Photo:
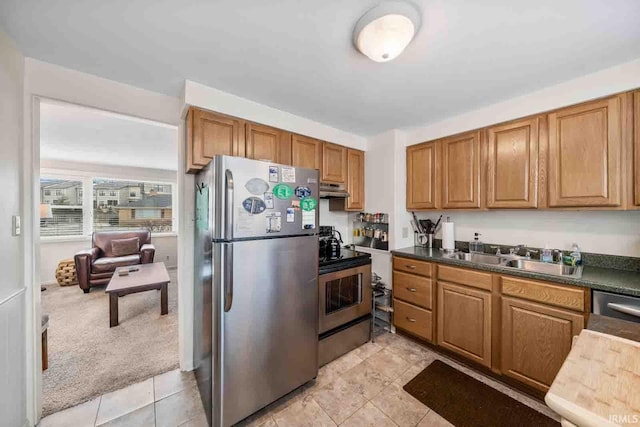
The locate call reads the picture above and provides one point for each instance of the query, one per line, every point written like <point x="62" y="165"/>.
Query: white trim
<point x="13" y="295"/>
<point x="47" y="81"/>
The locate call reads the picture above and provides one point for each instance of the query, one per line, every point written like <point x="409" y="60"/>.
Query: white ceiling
<point x="74" y="133"/>
<point x="297" y="56"/>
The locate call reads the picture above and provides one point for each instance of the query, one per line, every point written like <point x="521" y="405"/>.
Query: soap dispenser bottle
<point x="547" y="254"/>
<point x="476" y="245"/>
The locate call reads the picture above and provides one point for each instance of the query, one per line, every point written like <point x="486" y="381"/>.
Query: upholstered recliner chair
<point x="112" y="249"/>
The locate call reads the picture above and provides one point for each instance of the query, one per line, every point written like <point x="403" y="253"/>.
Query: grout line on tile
<point x="95" y="420"/>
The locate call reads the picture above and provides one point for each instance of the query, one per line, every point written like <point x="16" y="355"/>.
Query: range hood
<point x="333" y="191"/>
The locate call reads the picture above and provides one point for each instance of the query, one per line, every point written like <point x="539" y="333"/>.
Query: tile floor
<point x="362" y="388"/>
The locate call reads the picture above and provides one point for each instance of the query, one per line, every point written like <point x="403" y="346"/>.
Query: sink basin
<point x="543" y="267"/>
<point x="476" y="257"/>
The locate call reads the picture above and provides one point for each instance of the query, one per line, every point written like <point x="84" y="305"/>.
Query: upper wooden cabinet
<point x="334" y="163"/>
<point x="536" y="340"/>
<point x="464" y="321"/>
<point x="267" y="143"/>
<point x="212" y="134"/>
<point x="306" y="152"/>
<point x="636" y="148"/>
<point x="461" y="171"/>
<point x="355" y="180"/>
<point x="512" y="164"/>
<point x="423" y="176"/>
<point x="585" y="148"/>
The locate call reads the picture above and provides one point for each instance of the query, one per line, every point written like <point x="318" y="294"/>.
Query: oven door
<point x="344" y="296"/>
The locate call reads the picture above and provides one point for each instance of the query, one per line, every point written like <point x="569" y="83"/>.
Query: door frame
<point x="31" y="251"/>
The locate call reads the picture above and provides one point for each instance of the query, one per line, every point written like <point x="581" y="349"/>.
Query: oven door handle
<point x="625" y="308"/>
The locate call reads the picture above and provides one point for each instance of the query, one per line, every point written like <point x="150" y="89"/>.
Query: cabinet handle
<point x="411" y="319"/>
<point x="411" y="289"/>
<point x="412" y="267"/>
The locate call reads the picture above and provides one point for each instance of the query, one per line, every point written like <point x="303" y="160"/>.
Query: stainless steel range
<point x="344" y="287"/>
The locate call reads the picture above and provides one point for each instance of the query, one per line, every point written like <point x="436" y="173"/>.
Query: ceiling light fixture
<point x="385" y="31"/>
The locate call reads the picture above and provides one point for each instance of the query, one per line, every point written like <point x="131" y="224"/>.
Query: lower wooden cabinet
<point x="464" y="321"/>
<point x="536" y="339"/>
<point x="412" y="319"/>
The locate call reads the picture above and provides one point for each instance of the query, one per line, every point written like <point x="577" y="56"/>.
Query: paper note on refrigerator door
<point x="309" y="219"/>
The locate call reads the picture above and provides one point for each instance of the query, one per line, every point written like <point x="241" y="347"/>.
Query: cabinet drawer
<point x="413" y="319"/>
<point x="412" y="266"/>
<point x="413" y="289"/>
<point x="477" y="279"/>
<point x="548" y="293"/>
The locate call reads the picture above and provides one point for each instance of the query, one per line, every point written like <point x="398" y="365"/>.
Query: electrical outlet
<point x="16" y="228"/>
<point x="405" y="232"/>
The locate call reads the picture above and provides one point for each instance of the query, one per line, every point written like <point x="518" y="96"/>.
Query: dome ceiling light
<point x="385" y="31"/>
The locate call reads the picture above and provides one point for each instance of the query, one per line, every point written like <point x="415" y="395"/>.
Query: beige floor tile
<point x="265" y="414"/>
<point x="385" y="339"/>
<point x="178" y="408"/>
<point x="172" y="382"/>
<point x="400" y="406"/>
<point x="340" y="399"/>
<point x="411" y="373"/>
<point x="367" y="379"/>
<point x="367" y="350"/>
<point x="125" y="400"/>
<point x="143" y="417"/>
<point x="80" y="416"/>
<point x="434" y="420"/>
<point x="388" y="364"/>
<point x="368" y="416"/>
<point x="303" y="413"/>
<point x="198" y="421"/>
<point x="410" y="351"/>
<point x="333" y="370"/>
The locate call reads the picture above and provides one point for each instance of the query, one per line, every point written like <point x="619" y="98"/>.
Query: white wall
<point x="209" y="98"/>
<point x="43" y="80"/>
<point x="13" y="372"/>
<point x="340" y="220"/>
<point x="609" y="232"/>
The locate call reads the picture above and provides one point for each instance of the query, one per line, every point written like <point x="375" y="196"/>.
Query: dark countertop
<point x="600" y="278"/>
<point x="612" y="326"/>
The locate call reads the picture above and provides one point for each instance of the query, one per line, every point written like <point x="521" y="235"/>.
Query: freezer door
<point x="269" y="322"/>
<point x="261" y="199"/>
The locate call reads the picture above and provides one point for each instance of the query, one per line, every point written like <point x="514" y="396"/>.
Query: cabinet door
<point x="464" y="321"/>
<point x="585" y="146"/>
<point x="267" y="143"/>
<point x="214" y="134"/>
<point x="423" y="176"/>
<point x="461" y="171"/>
<point x="355" y="180"/>
<point x="512" y="164"/>
<point x="535" y="340"/>
<point x="306" y="152"/>
<point x="636" y="148"/>
<point x="334" y="163"/>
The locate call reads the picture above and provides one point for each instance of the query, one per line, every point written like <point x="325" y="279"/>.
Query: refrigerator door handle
<point x="228" y="276"/>
<point x="228" y="217"/>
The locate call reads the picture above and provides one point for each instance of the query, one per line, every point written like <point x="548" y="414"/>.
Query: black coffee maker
<point x="329" y="243"/>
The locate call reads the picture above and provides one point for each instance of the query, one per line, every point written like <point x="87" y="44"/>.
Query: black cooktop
<point x="347" y="259"/>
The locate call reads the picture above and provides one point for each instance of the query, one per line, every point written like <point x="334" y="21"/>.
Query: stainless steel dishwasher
<point x="623" y="307"/>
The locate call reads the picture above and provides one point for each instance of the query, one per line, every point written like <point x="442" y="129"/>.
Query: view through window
<point x="122" y="205"/>
<point x="115" y="205"/>
<point x="61" y="212"/>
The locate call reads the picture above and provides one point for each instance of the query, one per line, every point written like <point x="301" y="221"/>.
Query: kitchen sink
<point x="543" y="267"/>
<point x="476" y="257"/>
<point x="520" y="263"/>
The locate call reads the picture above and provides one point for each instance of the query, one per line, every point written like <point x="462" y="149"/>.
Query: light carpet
<point x="87" y="358"/>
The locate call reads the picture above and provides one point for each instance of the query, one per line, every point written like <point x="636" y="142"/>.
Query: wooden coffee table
<point x="148" y="277"/>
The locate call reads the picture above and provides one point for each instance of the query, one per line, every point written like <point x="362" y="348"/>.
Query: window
<point x="66" y="217"/>
<point x="145" y="207"/>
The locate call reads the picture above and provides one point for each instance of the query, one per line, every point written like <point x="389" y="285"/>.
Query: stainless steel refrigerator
<point x="256" y="284"/>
